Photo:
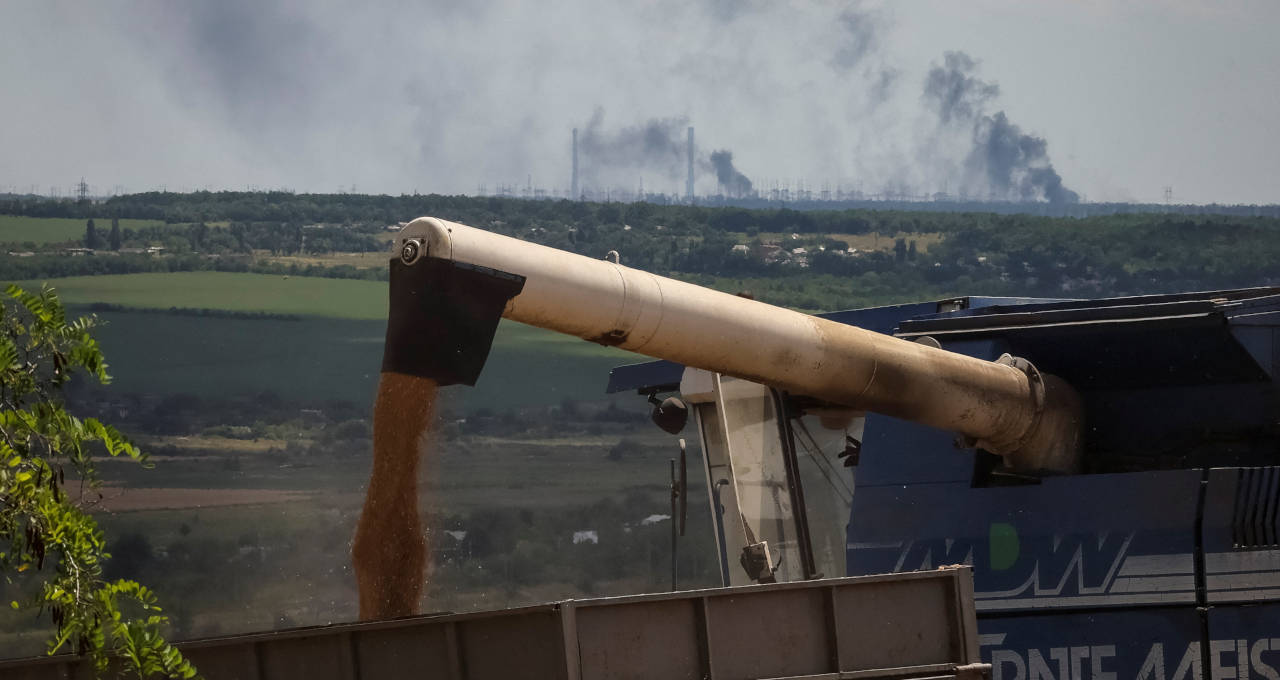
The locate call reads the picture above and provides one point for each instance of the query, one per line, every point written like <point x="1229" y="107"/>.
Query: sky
<point x="1057" y="100"/>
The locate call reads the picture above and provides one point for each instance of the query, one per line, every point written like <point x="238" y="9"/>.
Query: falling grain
<point x="389" y="551"/>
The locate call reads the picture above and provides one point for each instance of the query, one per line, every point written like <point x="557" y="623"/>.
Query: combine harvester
<point x="1108" y="471"/>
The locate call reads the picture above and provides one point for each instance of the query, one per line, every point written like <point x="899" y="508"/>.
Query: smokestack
<point x="573" y="186"/>
<point x="688" y="185"/>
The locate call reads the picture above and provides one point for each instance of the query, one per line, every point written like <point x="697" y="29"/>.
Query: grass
<point x="317" y="359"/>
<point x="333" y="352"/>
<point x="331" y="299"/>
<point x="305" y="296"/>
<point x="16" y="229"/>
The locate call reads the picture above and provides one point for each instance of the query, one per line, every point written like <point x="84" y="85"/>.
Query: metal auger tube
<point x="1006" y="407"/>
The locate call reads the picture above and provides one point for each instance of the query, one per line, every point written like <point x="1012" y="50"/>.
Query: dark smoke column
<point x="734" y="183"/>
<point x="1004" y="161"/>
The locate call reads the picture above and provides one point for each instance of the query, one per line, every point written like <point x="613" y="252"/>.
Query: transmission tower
<point x="82" y="190"/>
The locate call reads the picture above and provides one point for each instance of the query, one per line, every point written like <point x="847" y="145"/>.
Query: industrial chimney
<point x="573" y="185"/>
<point x="688" y="185"/>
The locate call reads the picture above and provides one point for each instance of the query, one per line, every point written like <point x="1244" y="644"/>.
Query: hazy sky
<point x="1117" y="98"/>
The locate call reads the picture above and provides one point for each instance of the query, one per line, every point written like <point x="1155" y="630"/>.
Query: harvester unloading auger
<point x="450" y="285"/>
<point x="451" y="282"/>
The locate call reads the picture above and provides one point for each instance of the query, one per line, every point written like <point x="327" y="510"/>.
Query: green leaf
<point x="39" y="526"/>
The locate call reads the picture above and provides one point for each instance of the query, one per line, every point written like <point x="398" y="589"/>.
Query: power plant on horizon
<point x="738" y="189"/>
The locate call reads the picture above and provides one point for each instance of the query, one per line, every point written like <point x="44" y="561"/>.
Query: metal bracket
<point x="1037" y="392"/>
<point x="758" y="562"/>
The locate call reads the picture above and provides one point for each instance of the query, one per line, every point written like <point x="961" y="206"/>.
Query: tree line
<point x="979" y="253"/>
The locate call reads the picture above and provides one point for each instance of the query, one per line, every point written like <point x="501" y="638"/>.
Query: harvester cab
<point x="1109" y="468"/>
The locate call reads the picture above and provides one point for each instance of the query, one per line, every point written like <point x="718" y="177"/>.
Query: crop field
<point x="332" y="352"/>
<point x="317" y="359"/>
<point x="304" y="296"/>
<point x="14" y="229"/>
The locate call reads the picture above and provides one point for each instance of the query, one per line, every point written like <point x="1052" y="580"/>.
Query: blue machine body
<point x="1161" y="561"/>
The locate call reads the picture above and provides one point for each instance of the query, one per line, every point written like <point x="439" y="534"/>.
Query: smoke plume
<point x="955" y="92"/>
<point x="735" y="183"/>
<point x="656" y="146"/>
<point x="439" y="96"/>
<point x="1003" y="162"/>
<point x="863" y="30"/>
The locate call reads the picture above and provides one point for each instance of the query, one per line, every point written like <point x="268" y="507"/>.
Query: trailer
<point x="903" y="627"/>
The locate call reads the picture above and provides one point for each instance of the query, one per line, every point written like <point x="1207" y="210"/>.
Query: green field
<point x="305" y="296"/>
<point x="333" y="352"/>
<point x="316" y="359"/>
<point x="15" y="229"/>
